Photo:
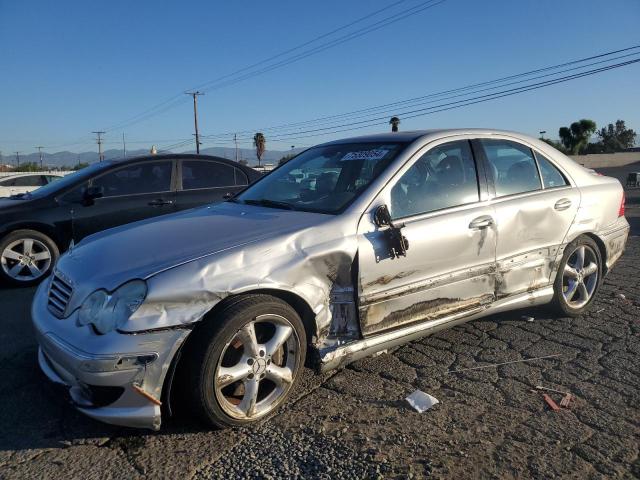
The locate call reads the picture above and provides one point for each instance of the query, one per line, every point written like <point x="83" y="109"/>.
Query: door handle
<point x="562" y="204"/>
<point x="160" y="202"/>
<point x="481" y="222"/>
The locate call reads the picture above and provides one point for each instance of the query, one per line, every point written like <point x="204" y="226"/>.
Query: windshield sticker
<point x="377" y="154"/>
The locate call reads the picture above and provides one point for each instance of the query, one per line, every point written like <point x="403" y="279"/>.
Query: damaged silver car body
<point x="420" y="231"/>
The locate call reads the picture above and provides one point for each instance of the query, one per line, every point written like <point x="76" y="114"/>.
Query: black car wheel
<point x="26" y="257"/>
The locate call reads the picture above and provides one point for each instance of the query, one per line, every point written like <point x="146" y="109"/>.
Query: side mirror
<point x="91" y="193"/>
<point x="398" y="243"/>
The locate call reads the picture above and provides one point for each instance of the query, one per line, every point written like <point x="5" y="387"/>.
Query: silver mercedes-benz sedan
<point x="351" y="247"/>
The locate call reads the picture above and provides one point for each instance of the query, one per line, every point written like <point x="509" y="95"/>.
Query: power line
<point x="451" y="105"/>
<point x="471" y="89"/>
<point x="213" y="84"/>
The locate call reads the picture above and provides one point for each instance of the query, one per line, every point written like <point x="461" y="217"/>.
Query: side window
<point x="443" y="177"/>
<point x="75" y="195"/>
<point x="6" y="183"/>
<point x="146" y="177"/>
<point x="512" y="166"/>
<point x="551" y="176"/>
<point x="204" y="174"/>
<point x="29" y="181"/>
<point x="241" y="177"/>
<point x="52" y="178"/>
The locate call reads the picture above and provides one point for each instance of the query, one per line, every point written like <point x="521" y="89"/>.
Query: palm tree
<point x="394" y="122"/>
<point x="260" y="143"/>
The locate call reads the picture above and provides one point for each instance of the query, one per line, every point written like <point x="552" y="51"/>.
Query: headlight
<point x="107" y="311"/>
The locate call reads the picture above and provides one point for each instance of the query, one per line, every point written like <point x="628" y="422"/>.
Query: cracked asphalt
<point x="354" y="423"/>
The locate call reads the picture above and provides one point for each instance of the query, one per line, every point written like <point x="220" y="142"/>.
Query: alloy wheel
<point x="580" y="277"/>
<point x="25" y="259"/>
<point x="256" y="368"/>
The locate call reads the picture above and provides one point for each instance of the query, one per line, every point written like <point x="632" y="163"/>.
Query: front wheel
<point x="579" y="277"/>
<point x="243" y="363"/>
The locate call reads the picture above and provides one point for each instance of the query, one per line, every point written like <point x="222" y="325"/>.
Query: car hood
<point x="142" y="249"/>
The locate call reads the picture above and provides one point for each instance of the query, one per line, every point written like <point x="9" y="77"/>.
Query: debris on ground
<point x="565" y="402"/>
<point x="421" y="401"/>
<point x="526" y="318"/>
<point x="554" y="406"/>
<point x="540" y="387"/>
<point x="494" y="365"/>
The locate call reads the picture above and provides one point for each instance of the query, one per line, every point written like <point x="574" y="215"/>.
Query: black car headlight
<point x="106" y="311"/>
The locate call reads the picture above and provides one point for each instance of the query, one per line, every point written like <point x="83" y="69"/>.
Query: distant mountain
<point x="66" y="158"/>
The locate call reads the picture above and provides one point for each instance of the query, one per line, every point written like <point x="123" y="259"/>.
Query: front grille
<point x="60" y="292"/>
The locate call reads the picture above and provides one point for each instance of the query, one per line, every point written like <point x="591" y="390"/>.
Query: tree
<point x="576" y="137"/>
<point x="555" y="144"/>
<point x="260" y="143"/>
<point x="394" y="122"/>
<point x="615" y="138"/>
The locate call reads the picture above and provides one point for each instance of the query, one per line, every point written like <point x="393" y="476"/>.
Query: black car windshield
<point x="324" y="179"/>
<point x="68" y="180"/>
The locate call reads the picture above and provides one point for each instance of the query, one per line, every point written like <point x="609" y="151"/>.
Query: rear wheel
<point x="579" y="277"/>
<point x="26" y="257"/>
<point x="243" y="363"/>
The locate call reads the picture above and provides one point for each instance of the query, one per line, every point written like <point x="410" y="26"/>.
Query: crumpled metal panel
<point x="312" y="263"/>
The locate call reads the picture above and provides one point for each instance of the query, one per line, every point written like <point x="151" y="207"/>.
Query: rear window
<point x="198" y="174"/>
<point x="551" y="176"/>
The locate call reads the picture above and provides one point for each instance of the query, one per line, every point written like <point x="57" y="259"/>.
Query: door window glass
<point x="551" y="176"/>
<point x="29" y="181"/>
<point x="147" y="177"/>
<point x="443" y="177"/>
<point x="512" y="167"/>
<point x="241" y="177"/>
<point x="202" y="174"/>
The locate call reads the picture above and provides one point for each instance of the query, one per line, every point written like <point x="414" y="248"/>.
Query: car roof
<point x="24" y="174"/>
<point x="171" y="156"/>
<point x="412" y="135"/>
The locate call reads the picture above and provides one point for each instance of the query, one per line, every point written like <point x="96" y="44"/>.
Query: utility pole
<point x="99" y="142"/>
<point x="124" y="146"/>
<point x="195" y="96"/>
<point x="235" y="140"/>
<point x="18" y="159"/>
<point x="40" y="152"/>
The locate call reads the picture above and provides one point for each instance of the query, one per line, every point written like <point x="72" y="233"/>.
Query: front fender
<point x="307" y="267"/>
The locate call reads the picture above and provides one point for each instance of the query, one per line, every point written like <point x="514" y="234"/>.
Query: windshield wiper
<point x="265" y="202"/>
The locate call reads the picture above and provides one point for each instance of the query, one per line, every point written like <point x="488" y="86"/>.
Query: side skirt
<point x="335" y="356"/>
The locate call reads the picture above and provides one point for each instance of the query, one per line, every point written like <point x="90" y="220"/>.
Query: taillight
<point x="621" y="211"/>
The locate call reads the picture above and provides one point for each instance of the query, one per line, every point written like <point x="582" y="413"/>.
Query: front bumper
<point x="116" y="378"/>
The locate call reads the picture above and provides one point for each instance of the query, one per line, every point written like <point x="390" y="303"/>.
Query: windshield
<point x="67" y="180"/>
<point x="324" y="179"/>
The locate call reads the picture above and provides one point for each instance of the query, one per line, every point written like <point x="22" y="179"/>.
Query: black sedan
<point x="35" y="227"/>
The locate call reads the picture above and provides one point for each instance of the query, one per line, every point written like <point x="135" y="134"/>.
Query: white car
<point x="24" y="183"/>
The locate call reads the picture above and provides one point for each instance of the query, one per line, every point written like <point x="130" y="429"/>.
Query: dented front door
<point x="449" y="227"/>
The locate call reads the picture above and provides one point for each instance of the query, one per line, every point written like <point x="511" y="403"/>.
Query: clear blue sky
<point x="71" y="67"/>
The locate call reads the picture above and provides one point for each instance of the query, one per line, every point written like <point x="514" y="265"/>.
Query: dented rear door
<point x="535" y="205"/>
<point x="440" y="200"/>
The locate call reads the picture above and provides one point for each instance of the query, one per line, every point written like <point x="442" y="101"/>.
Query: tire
<point x="26" y="257"/>
<point x="577" y="283"/>
<point x="232" y="381"/>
